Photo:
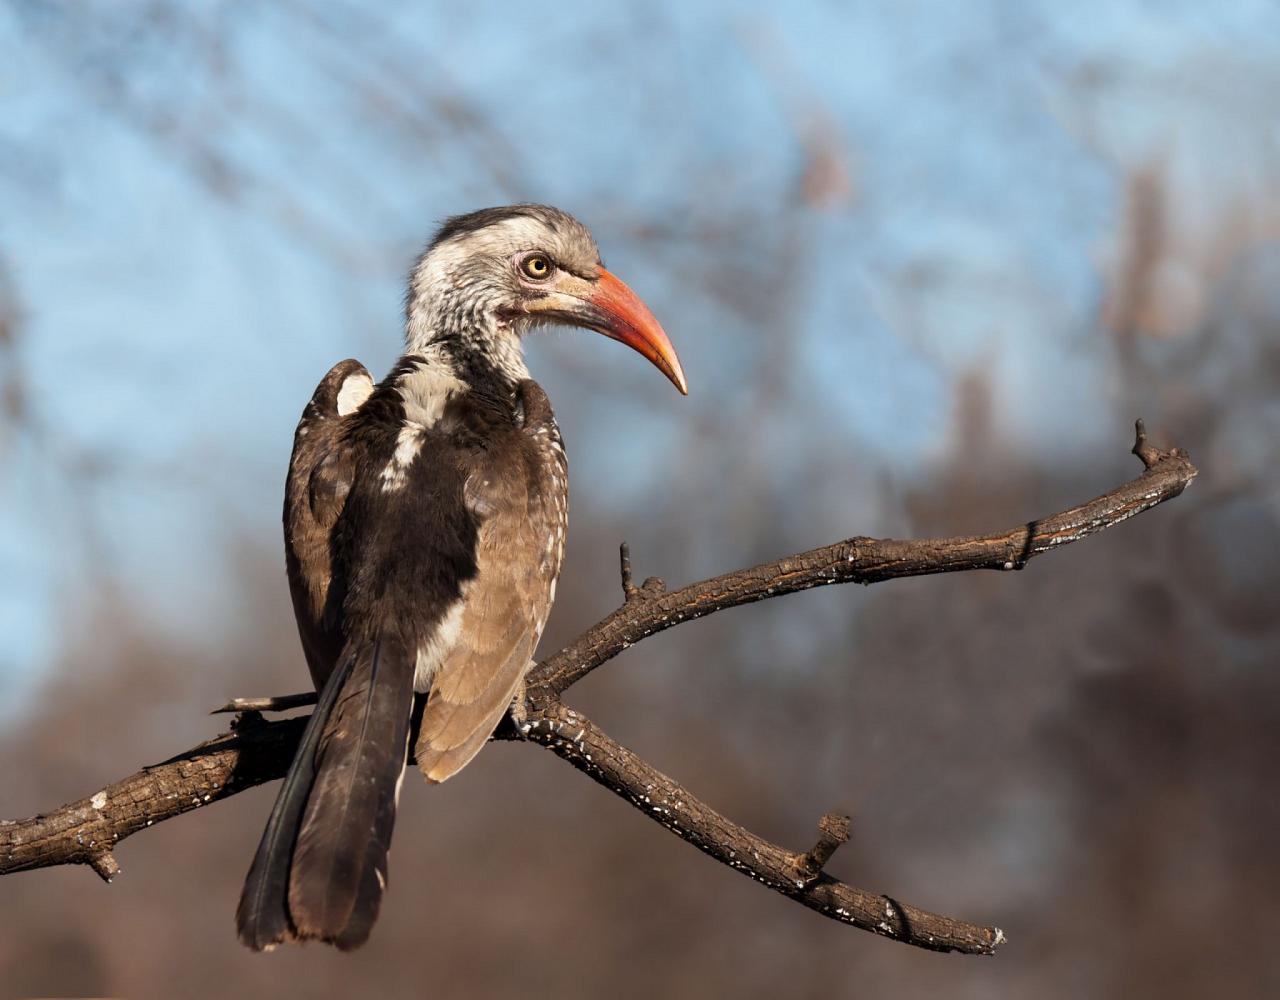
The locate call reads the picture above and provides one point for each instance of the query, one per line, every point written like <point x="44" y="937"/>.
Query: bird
<point x="424" y="522"/>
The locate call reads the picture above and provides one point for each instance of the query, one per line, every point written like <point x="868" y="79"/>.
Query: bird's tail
<point x="321" y="865"/>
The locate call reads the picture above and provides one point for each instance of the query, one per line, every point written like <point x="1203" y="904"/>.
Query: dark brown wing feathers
<point x="523" y="508"/>
<point x="320" y="473"/>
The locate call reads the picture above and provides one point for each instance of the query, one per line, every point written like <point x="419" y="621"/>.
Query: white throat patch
<point x="427" y="389"/>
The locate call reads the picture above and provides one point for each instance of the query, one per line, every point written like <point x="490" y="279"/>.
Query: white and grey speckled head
<point x="469" y="273"/>
<point x="490" y="276"/>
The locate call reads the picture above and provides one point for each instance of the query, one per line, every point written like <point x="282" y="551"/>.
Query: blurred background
<point x="924" y="264"/>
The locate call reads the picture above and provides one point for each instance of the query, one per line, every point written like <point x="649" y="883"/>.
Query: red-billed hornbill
<point x="424" y="525"/>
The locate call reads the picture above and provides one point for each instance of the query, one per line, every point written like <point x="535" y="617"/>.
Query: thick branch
<point x="85" y="832"/>
<point x="864" y="560"/>
<point x="574" y="738"/>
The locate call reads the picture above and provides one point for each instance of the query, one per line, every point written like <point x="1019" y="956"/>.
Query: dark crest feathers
<point x="462" y="225"/>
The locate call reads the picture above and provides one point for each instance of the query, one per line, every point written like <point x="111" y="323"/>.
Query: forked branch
<point x="256" y="751"/>
<point x="862" y="560"/>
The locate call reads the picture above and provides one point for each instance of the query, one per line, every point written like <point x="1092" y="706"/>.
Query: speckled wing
<point x="519" y="495"/>
<point x="320" y="472"/>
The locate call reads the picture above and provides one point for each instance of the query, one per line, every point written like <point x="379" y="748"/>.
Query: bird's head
<point x="489" y="277"/>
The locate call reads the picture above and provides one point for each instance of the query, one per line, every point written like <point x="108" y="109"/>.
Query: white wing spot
<point x="355" y="390"/>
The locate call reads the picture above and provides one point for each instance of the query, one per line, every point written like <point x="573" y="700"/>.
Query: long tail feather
<point x="339" y="866"/>
<point x="262" y="918"/>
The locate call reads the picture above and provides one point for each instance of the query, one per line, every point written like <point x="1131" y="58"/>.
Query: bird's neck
<point x="475" y="346"/>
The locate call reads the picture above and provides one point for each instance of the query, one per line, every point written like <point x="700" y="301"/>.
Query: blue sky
<point x="197" y="224"/>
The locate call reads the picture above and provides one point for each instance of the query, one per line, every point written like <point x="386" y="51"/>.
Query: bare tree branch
<point x="256" y="751"/>
<point x="863" y="560"/>
<point x="85" y="831"/>
<point x="577" y="740"/>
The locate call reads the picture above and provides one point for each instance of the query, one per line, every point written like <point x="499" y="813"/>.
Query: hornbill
<point x="424" y="524"/>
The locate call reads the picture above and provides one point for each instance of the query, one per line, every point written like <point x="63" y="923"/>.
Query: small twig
<point x="1148" y="453"/>
<point x="278" y="703"/>
<point x="629" y="589"/>
<point x="652" y="586"/>
<point x="105" y="865"/>
<point x="833" y="831"/>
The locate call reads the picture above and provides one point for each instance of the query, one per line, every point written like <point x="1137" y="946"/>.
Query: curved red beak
<point x="621" y="315"/>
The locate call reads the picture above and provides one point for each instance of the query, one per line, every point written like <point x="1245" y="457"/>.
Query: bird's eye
<point x="536" y="266"/>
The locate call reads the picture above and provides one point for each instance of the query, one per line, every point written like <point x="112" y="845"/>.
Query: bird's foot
<point x="518" y="712"/>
